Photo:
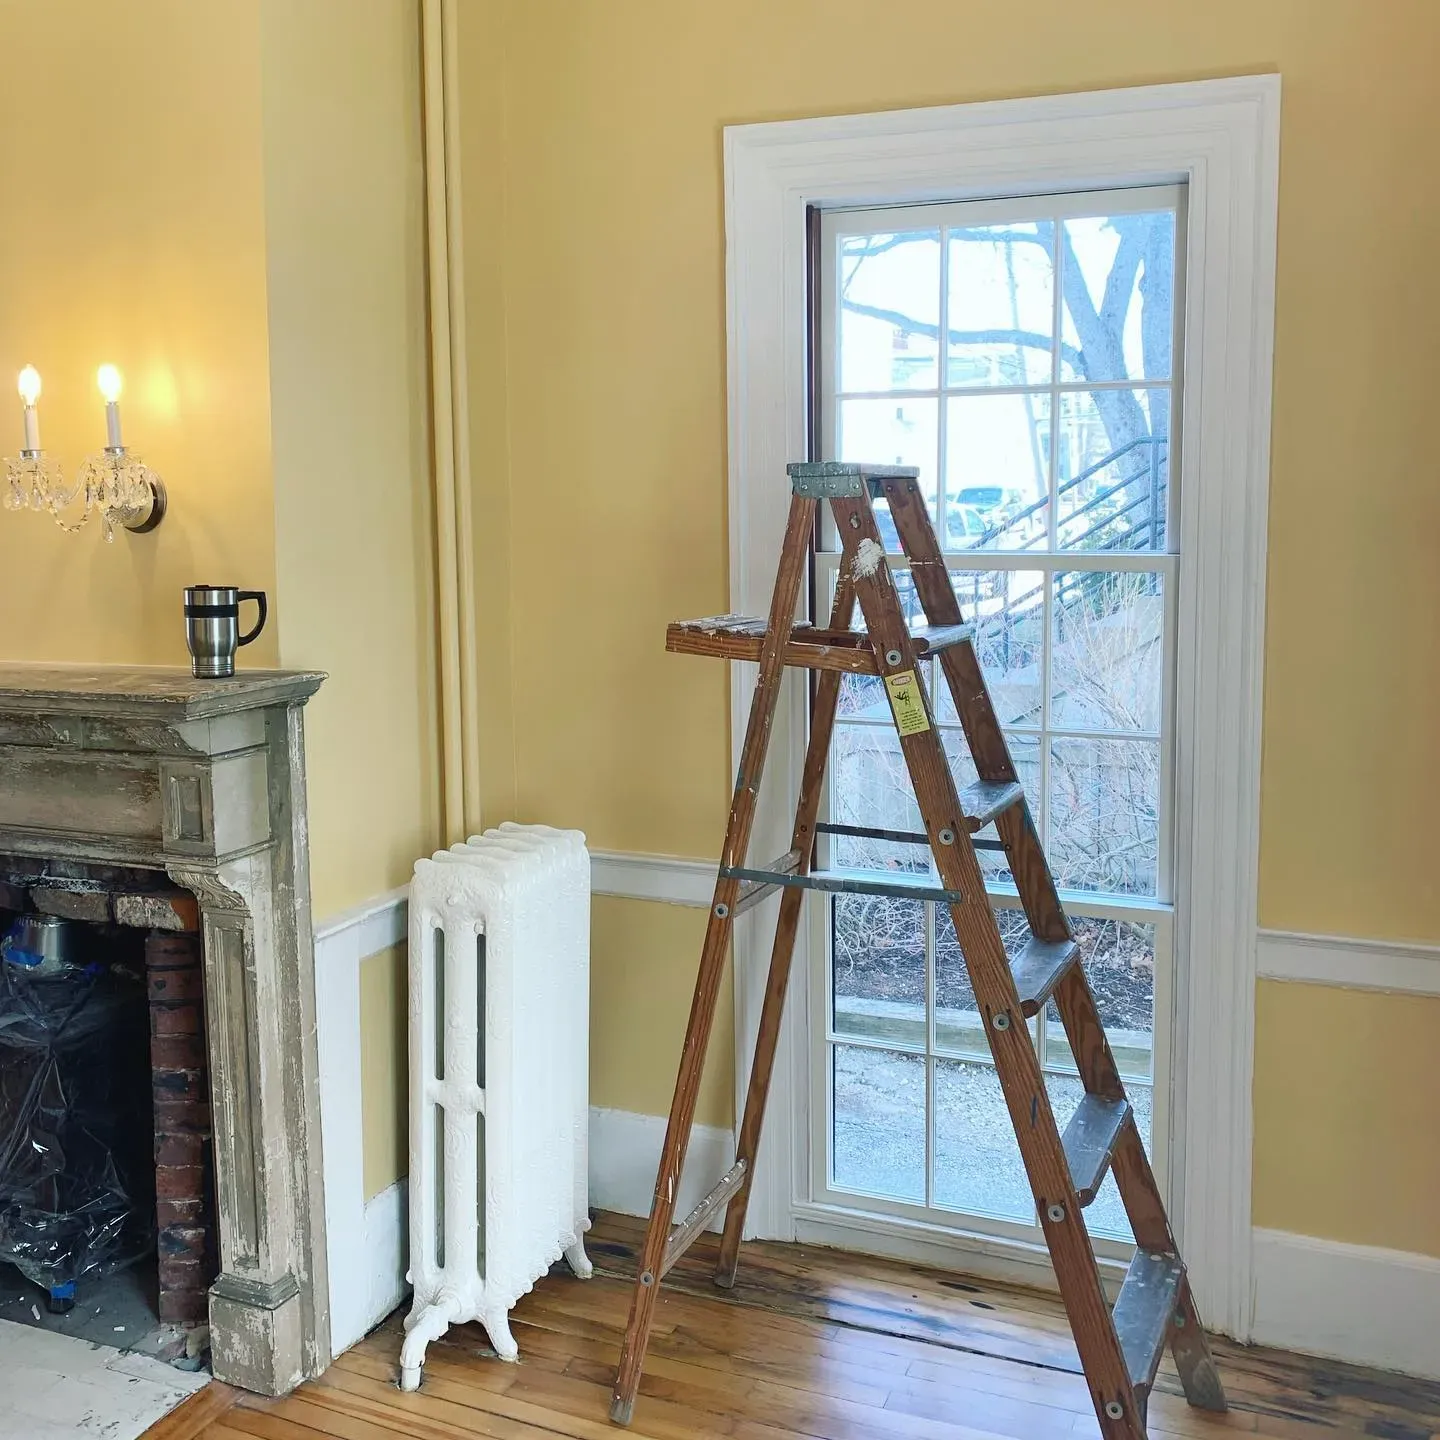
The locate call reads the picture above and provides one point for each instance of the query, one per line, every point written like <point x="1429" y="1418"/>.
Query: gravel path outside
<point x="879" y="1142"/>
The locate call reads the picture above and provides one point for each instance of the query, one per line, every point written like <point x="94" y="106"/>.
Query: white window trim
<point x="1221" y="138"/>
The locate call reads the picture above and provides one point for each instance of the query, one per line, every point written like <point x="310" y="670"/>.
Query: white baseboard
<point x="1347" y="1302"/>
<point x="625" y="1155"/>
<point x="342" y="942"/>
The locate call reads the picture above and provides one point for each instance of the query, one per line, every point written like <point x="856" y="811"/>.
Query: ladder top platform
<point x="739" y="637"/>
<point x="834" y="479"/>
<point x="816" y="469"/>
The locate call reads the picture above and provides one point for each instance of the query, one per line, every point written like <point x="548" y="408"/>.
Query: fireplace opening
<point x="107" y="1228"/>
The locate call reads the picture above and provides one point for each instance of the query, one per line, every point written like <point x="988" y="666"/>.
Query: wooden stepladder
<point x="1120" y="1349"/>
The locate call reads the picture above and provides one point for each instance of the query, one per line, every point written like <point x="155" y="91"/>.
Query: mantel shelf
<point x="146" y="692"/>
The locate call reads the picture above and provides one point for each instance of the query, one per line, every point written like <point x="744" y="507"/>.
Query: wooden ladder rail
<point x="794" y="557"/>
<point x="1124" y="1152"/>
<point x="1119" y="1350"/>
<point x="823" y="706"/>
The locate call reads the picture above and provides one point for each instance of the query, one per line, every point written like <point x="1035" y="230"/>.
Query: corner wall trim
<point x="670" y="879"/>
<point x="358" y="1235"/>
<point x="1357" y="1303"/>
<point x="1405" y="969"/>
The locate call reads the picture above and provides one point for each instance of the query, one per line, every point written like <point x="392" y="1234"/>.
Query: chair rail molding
<point x="1394" y="966"/>
<point x="1221" y="139"/>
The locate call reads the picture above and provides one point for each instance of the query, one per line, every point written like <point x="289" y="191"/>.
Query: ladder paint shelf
<point x="1120" y="1348"/>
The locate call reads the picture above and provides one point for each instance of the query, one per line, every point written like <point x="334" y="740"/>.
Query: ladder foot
<point x="621" y="1409"/>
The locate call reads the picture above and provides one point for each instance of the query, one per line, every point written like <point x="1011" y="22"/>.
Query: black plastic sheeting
<point x="77" y="1173"/>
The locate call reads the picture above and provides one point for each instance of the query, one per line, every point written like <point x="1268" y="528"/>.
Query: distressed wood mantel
<point x="205" y="780"/>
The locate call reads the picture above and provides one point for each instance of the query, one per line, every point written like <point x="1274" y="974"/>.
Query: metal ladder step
<point x="1038" y="969"/>
<point x="1089" y="1142"/>
<point x="1144" y="1313"/>
<point x="983" y="800"/>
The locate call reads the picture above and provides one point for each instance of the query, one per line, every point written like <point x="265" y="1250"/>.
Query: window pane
<point x="878" y="953"/>
<point x="1113" y="469"/>
<point x="862" y="697"/>
<point x="977" y="1162"/>
<point x="957" y="1018"/>
<point x="879" y="1138"/>
<point x="892" y="432"/>
<point x="1119" y="297"/>
<point x="1104" y="825"/>
<point x="997" y="458"/>
<point x="1119" y="960"/>
<point x="1106" y="1216"/>
<point x="871" y="787"/>
<point x="1007" y="608"/>
<point x="1107" y="650"/>
<point x="1025" y="752"/>
<point x="889" y="311"/>
<point x="1002" y="297"/>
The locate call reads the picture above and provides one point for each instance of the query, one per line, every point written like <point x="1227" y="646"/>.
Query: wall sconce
<point x="115" y="485"/>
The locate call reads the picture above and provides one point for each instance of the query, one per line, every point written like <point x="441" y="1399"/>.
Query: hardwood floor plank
<point x="289" y="1421"/>
<point x="816" y="1345"/>
<point x="190" y="1418"/>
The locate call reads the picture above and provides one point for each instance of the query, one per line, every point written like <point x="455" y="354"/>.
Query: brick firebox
<point x="184" y="1153"/>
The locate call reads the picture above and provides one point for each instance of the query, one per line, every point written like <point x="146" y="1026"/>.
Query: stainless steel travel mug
<point x="212" y="627"/>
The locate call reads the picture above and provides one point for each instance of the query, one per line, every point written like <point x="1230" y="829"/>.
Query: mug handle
<point x="258" y="596"/>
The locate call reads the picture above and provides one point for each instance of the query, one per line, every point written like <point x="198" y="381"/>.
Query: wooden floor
<point x="809" y="1343"/>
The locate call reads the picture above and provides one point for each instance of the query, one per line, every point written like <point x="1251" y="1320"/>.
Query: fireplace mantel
<point x="205" y="780"/>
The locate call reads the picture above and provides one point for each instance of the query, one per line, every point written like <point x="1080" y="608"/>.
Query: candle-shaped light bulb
<point x="108" y="379"/>
<point x="30" y="392"/>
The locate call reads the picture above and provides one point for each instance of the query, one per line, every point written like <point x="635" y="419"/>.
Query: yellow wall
<point x="134" y="233"/>
<point x="642" y="974"/>
<point x="225" y="198"/>
<point x="1345" y="1113"/>
<point x="612" y="386"/>
<point x="345" y="229"/>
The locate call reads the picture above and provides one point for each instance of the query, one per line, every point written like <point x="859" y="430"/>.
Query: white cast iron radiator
<point x="499" y="1084"/>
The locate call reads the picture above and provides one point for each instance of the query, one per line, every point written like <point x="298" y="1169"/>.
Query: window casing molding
<point x="1221" y="139"/>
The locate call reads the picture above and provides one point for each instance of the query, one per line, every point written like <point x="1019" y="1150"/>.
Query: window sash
<point x="1050" y="560"/>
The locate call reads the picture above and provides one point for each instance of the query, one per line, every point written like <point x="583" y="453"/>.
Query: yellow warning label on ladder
<point x="907" y="702"/>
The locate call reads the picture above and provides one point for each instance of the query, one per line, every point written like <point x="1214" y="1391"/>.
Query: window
<point x="1023" y="354"/>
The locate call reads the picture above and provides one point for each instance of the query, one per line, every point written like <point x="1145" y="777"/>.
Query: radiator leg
<point x="578" y="1260"/>
<point x="497" y="1327"/>
<point x="429" y="1324"/>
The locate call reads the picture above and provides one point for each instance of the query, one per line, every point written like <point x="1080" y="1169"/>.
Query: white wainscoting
<point x="362" y="1241"/>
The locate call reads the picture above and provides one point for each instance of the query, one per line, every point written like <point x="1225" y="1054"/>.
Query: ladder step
<point x="1039" y="968"/>
<point x="682" y="1237"/>
<point x="752" y="892"/>
<point x="739" y="637"/>
<point x="1089" y="1141"/>
<point x="1144" y="1312"/>
<point x="985" y="799"/>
